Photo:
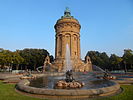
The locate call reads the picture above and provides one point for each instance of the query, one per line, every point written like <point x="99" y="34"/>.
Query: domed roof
<point x="67" y="13"/>
<point x="67" y="17"/>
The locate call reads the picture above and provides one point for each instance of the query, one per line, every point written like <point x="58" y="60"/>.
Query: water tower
<point x="67" y="30"/>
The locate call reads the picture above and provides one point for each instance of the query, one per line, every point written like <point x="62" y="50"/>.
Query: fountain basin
<point x="104" y="91"/>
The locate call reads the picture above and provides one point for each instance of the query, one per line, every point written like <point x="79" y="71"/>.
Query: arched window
<point x="75" y="53"/>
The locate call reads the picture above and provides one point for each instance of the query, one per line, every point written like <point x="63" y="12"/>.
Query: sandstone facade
<point x="68" y="32"/>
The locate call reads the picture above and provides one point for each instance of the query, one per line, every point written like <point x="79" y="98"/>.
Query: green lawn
<point x="127" y="94"/>
<point x="7" y="92"/>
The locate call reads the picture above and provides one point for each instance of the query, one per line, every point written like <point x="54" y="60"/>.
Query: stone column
<point x="55" y="46"/>
<point x="72" y="38"/>
<point x="78" y="47"/>
<point x="71" y="45"/>
<point x="63" y="46"/>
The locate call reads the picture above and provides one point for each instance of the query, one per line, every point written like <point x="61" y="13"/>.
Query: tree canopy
<point x="113" y="62"/>
<point x="33" y="58"/>
<point x="26" y="58"/>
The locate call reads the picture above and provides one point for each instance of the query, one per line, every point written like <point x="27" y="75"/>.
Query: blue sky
<point x="106" y="25"/>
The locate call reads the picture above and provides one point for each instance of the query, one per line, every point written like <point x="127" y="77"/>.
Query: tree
<point x="30" y="58"/>
<point x="128" y="57"/>
<point x="115" y="61"/>
<point x="99" y="59"/>
<point x="8" y="58"/>
<point x="17" y="59"/>
<point x="105" y="59"/>
<point x="5" y="57"/>
<point x="33" y="58"/>
<point x="51" y="58"/>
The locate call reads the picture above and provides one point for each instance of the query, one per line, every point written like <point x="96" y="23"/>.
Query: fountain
<point x="103" y="74"/>
<point x="69" y="82"/>
<point x="70" y="85"/>
<point x="75" y="78"/>
<point x="68" y="65"/>
<point x="47" y="87"/>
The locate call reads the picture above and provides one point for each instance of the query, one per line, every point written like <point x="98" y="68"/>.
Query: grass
<point x="127" y="94"/>
<point x="7" y="92"/>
